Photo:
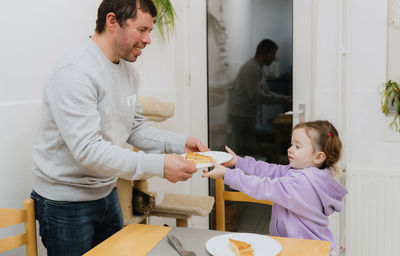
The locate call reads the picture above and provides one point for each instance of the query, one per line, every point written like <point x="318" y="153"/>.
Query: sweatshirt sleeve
<point x="72" y="100"/>
<point x="152" y="139"/>
<point x="293" y="192"/>
<point x="260" y="168"/>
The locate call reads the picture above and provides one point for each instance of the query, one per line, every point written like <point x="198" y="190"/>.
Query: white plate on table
<point x="219" y="156"/>
<point x="262" y="244"/>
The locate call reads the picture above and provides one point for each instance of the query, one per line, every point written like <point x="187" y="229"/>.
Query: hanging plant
<point x="218" y="32"/>
<point x="166" y="15"/>
<point x="390" y="100"/>
<point x="217" y="28"/>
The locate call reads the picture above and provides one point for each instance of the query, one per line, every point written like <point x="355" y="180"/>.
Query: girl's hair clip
<point x="329" y="134"/>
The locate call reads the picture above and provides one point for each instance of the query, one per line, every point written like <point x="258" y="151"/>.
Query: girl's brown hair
<point x="325" y="138"/>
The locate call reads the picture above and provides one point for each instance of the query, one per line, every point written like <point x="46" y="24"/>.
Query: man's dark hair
<point x="123" y="10"/>
<point x="266" y="46"/>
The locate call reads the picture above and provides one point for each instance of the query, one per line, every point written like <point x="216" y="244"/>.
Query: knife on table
<point x="176" y="244"/>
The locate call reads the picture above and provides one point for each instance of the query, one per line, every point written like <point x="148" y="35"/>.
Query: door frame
<point x="303" y="59"/>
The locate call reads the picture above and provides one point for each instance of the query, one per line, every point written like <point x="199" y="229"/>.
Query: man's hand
<point x="177" y="168"/>
<point x="219" y="171"/>
<point x="194" y="145"/>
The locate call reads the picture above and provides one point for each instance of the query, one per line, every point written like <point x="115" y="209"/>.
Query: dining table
<point x="145" y="239"/>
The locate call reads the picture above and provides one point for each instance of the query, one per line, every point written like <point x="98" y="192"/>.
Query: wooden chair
<point x="222" y="196"/>
<point x="9" y="217"/>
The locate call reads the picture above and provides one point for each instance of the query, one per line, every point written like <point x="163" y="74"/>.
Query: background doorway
<point x="235" y="28"/>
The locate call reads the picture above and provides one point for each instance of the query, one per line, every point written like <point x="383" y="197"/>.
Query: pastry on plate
<point x="240" y="248"/>
<point x="196" y="158"/>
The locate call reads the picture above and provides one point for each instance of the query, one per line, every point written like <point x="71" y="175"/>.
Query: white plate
<point x="219" y="156"/>
<point x="262" y="244"/>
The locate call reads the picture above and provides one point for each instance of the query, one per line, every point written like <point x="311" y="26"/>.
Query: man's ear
<point x="111" y="21"/>
<point x="319" y="158"/>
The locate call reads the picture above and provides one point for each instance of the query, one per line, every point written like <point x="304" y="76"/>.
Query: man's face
<point x="133" y="36"/>
<point x="269" y="57"/>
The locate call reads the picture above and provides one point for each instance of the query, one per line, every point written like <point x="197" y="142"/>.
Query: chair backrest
<point x="9" y="217"/>
<point x="221" y="196"/>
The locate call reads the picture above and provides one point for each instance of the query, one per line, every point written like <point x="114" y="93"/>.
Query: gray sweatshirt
<point x="90" y="111"/>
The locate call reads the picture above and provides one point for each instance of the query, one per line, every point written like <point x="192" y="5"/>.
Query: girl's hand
<point x="232" y="162"/>
<point x="216" y="173"/>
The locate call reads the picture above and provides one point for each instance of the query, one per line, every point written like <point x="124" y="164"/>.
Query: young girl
<point x="304" y="192"/>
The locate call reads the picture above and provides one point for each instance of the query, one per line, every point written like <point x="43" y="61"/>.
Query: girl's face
<point x="301" y="152"/>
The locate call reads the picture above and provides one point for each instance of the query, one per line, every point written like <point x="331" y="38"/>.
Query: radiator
<point x="373" y="211"/>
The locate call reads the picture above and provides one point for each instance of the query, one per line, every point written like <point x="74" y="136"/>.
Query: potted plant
<point x="390" y="100"/>
<point x="166" y="15"/>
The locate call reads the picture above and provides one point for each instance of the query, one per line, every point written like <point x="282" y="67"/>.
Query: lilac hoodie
<point x="303" y="199"/>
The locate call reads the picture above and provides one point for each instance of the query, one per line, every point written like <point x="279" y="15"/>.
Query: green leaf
<point x="165" y="20"/>
<point x="390" y="99"/>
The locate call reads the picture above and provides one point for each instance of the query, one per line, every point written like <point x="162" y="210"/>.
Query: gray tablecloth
<point x="192" y="239"/>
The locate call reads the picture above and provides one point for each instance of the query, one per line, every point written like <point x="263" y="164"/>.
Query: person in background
<point x="249" y="91"/>
<point x="90" y="111"/>
<point x="304" y="192"/>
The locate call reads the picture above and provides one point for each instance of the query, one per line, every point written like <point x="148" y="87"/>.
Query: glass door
<point x="249" y="90"/>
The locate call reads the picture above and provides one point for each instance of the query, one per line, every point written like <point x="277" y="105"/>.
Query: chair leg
<point x="220" y="205"/>
<point x="30" y="227"/>
<point x="182" y="223"/>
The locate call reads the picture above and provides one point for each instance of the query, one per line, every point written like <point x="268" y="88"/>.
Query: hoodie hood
<point x="328" y="189"/>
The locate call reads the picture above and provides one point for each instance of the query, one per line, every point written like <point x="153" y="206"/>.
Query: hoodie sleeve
<point x="260" y="168"/>
<point x="293" y="192"/>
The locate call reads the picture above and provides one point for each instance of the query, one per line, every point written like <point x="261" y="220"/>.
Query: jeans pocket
<point x="38" y="200"/>
<point x="41" y="216"/>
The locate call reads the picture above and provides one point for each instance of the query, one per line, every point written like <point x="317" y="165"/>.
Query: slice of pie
<point x="196" y="158"/>
<point x="240" y="248"/>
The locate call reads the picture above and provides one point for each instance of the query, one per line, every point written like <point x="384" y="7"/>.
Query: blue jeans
<point x="73" y="228"/>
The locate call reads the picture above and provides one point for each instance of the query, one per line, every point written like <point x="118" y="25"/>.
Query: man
<point x="249" y="91"/>
<point x="90" y="110"/>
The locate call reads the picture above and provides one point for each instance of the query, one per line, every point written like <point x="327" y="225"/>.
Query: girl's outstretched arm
<point x="260" y="168"/>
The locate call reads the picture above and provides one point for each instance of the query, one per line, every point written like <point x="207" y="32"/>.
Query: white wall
<point x="372" y="144"/>
<point x="37" y="33"/>
<point x="349" y="63"/>
<point x="393" y="41"/>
